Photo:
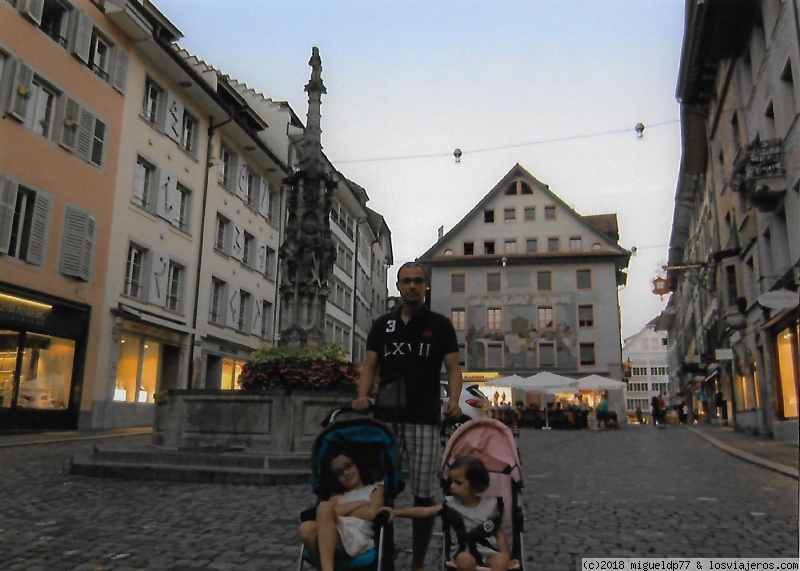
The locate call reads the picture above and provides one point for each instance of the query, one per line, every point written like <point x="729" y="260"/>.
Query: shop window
<point x="45" y="378"/>
<point x="788" y="368"/>
<point x="138" y="368"/>
<point x="231" y="369"/>
<point x="24" y="220"/>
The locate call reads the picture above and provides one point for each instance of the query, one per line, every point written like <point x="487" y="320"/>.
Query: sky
<point x="554" y="85"/>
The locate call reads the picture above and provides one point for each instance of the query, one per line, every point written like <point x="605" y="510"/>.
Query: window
<point x="584" y="279"/>
<point x="222" y="237"/>
<point x="457" y="283"/>
<point x="134" y="271"/>
<point x="151" y="105"/>
<point x="488" y="216"/>
<point x="216" y="310"/>
<point x="24" y="220"/>
<point x="549" y="212"/>
<point x="184" y="207"/>
<point x="545" y="317"/>
<point x="587" y="354"/>
<point x="266" y="320"/>
<point x="174" y="284"/>
<point x="510" y="246"/>
<point x="144" y="181"/>
<point x="251" y="188"/>
<point x="227" y="164"/>
<point x="547" y="354"/>
<point x="77" y="243"/>
<point x="53" y="21"/>
<point x="244" y="310"/>
<point x="188" y="133"/>
<point x="469" y="248"/>
<point x="585" y="316"/>
<point x="544" y="280"/>
<point x="575" y="244"/>
<point x="510" y="214"/>
<point x="530" y="213"/>
<point x="531" y="245"/>
<point x="494" y="318"/>
<point x="552" y="244"/>
<point x="40" y="109"/>
<point x="249" y="250"/>
<point x="458" y="315"/>
<point x="99" y="56"/>
<point x="493" y="282"/>
<point x="84" y="133"/>
<point x="488" y="247"/>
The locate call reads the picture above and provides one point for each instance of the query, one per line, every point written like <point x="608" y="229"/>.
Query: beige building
<point x="530" y="284"/>
<point x="733" y="318"/>
<point x="138" y="264"/>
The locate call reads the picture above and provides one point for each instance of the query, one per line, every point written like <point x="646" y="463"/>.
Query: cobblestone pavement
<point x="634" y="492"/>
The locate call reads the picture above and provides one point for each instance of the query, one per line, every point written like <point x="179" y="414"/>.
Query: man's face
<point x="412" y="285"/>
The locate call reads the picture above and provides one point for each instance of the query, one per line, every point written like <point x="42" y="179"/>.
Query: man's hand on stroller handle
<point x="362" y="403"/>
<point x="452" y="410"/>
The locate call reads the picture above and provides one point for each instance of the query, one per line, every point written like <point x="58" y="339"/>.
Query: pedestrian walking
<point x="410" y="344"/>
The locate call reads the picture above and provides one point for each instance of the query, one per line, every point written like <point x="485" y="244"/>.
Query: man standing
<point x="412" y="342"/>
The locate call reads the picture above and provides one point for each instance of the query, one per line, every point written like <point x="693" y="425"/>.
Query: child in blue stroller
<point x="355" y="473"/>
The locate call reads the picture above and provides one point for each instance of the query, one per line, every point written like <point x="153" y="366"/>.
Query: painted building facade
<point x="647" y="370"/>
<point x="530" y="284"/>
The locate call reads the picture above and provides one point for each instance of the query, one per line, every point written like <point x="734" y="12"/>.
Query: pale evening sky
<point x="555" y="85"/>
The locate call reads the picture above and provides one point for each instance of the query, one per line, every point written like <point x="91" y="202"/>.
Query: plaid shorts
<point x="421" y="450"/>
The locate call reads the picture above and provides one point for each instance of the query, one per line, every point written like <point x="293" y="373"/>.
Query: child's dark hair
<point x="475" y="471"/>
<point x="333" y="487"/>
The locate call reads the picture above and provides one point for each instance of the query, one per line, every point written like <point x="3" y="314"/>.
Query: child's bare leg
<point x="327" y="535"/>
<point x="499" y="562"/>
<point x="308" y="535"/>
<point x="465" y="561"/>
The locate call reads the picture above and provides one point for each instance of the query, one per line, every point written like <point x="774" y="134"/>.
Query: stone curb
<point x="46" y="438"/>
<point x="790" y="471"/>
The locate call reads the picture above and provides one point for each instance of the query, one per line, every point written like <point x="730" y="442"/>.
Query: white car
<point x="474" y="404"/>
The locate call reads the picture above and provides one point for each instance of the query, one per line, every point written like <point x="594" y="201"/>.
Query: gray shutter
<point x="33" y="9"/>
<point x="173" y="118"/>
<point x="255" y="323"/>
<point x="81" y="39"/>
<point x="166" y="187"/>
<point x="157" y="292"/>
<point x="119" y="75"/>
<point x="263" y="198"/>
<point x="39" y="225"/>
<point x="232" y="307"/>
<point x="85" y="139"/>
<point x="77" y="248"/>
<point x="8" y="203"/>
<point x="174" y="204"/>
<point x="20" y="91"/>
<point x="69" y="131"/>
<point x="237" y="242"/>
<point x="241" y="181"/>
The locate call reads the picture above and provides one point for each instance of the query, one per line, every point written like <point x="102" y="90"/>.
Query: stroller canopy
<point x="487" y="439"/>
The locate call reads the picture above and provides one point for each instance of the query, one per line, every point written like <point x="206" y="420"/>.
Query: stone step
<point x="195" y="465"/>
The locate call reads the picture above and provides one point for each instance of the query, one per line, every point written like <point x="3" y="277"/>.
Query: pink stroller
<point x="492" y="442"/>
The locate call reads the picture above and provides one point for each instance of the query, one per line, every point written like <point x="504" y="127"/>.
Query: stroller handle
<point x="343" y="410"/>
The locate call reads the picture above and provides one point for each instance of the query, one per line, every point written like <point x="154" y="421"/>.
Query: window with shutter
<point x="83" y="145"/>
<point x="81" y="39"/>
<point x="77" y="245"/>
<point x="69" y="131"/>
<point x="174" y="286"/>
<point x="232" y="308"/>
<point x="8" y="201"/>
<point x="166" y="187"/>
<point x="157" y="290"/>
<point x="173" y="119"/>
<point x="33" y="10"/>
<point x="119" y="78"/>
<point x="133" y="271"/>
<point x="98" y="142"/>
<point x="37" y="237"/>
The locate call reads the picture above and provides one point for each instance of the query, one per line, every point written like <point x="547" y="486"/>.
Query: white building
<point x="647" y="369"/>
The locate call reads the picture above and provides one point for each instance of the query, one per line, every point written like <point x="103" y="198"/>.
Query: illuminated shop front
<point x="148" y="361"/>
<point x="223" y="362"/>
<point x="788" y="365"/>
<point x="42" y="350"/>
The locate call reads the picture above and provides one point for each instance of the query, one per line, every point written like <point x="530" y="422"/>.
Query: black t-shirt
<point x="416" y="351"/>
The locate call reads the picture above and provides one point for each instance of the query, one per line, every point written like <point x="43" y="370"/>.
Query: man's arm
<point x="452" y="365"/>
<point x="366" y="380"/>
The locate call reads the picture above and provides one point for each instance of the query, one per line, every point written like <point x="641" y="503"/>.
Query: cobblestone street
<point x="634" y="492"/>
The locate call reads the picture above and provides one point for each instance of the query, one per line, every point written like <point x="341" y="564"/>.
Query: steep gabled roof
<point x="604" y="226"/>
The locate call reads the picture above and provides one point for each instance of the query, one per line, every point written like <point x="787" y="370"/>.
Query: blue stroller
<point x="372" y="440"/>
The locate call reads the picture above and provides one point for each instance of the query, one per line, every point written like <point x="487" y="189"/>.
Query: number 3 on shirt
<point x="391" y="325"/>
